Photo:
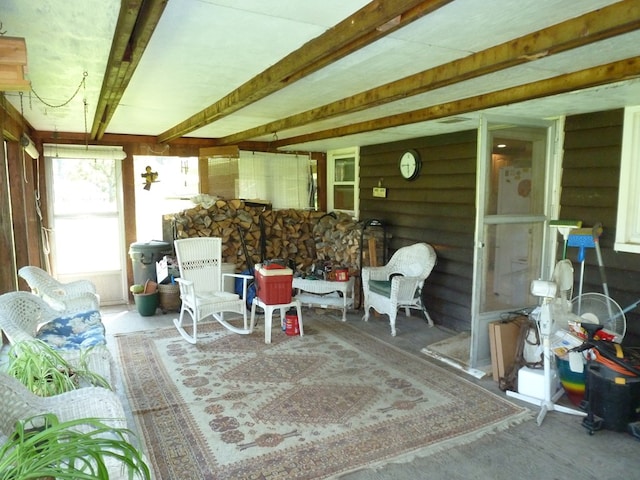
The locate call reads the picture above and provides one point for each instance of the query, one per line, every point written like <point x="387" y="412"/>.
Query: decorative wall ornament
<point x="149" y="177"/>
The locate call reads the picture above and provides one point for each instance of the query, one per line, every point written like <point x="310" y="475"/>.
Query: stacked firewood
<point x="299" y="237"/>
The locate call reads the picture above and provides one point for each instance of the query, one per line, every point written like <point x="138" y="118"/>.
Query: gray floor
<point x="560" y="448"/>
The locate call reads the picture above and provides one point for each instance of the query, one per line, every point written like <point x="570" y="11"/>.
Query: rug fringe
<point x="466" y="439"/>
<point x="474" y="372"/>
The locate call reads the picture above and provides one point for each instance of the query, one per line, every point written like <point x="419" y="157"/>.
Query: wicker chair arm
<point x="375" y="273"/>
<point x="404" y="288"/>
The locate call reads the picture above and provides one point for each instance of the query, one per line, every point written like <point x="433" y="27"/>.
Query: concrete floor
<point x="560" y="448"/>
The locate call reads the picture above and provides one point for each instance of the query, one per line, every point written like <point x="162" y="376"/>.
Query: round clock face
<point x="410" y="164"/>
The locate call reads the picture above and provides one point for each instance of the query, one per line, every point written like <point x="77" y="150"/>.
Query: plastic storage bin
<point x="144" y="256"/>
<point x="274" y="285"/>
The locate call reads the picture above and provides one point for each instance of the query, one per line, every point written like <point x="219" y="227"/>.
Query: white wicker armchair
<point x="18" y="403"/>
<point x="78" y="296"/>
<point x="399" y="283"/>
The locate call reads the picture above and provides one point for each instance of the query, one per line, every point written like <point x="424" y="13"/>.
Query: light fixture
<point x="28" y="146"/>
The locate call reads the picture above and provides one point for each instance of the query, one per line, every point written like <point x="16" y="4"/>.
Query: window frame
<point x="628" y="219"/>
<point x="332" y="157"/>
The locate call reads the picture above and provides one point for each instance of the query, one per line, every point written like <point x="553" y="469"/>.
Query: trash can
<point x="144" y="256"/>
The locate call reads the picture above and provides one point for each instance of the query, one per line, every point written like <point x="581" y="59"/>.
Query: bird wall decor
<point x="149" y="177"/>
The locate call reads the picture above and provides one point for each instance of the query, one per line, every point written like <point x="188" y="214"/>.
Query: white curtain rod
<point x="83" y="151"/>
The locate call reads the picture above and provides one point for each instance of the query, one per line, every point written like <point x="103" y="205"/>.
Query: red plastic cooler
<point x="273" y="284"/>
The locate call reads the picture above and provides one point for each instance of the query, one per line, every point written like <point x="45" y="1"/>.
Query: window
<point x="628" y="223"/>
<point x="343" y="181"/>
<point x="285" y="180"/>
<point x="175" y="186"/>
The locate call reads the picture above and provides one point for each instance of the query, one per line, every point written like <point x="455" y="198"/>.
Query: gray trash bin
<point x="144" y="256"/>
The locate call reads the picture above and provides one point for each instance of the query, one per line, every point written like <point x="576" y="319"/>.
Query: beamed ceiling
<point x="316" y="74"/>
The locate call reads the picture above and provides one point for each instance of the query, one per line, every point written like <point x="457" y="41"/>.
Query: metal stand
<point x="548" y="402"/>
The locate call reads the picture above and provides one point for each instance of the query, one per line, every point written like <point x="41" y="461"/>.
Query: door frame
<point x="99" y="278"/>
<point x="479" y="353"/>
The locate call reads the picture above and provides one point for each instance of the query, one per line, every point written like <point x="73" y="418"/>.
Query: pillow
<point x="76" y="331"/>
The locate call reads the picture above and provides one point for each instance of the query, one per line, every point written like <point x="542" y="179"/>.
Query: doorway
<point x="86" y="238"/>
<point x="516" y="172"/>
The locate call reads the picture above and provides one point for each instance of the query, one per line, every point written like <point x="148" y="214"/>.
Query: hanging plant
<point x="66" y="450"/>
<point x="44" y="371"/>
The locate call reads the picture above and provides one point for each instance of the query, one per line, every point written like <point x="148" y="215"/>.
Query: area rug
<point x="311" y="407"/>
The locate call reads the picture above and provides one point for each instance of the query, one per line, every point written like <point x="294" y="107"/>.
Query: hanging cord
<point x="83" y="85"/>
<point x="46" y="245"/>
<point x="24" y="168"/>
<point x="66" y="102"/>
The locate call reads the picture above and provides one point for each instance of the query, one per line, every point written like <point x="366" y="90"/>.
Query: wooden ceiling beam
<point x="372" y="22"/>
<point x="136" y="23"/>
<point x="605" y="23"/>
<point x="591" y="77"/>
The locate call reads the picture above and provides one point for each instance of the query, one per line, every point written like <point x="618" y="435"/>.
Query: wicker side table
<point x="318" y="293"/>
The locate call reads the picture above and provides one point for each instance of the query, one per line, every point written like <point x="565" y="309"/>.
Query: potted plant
<point x="145" y="297"/>
<point x="43" y="447"/>
<point x="44" y="371"/>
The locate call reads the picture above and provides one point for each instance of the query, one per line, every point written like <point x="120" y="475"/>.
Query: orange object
<point x="292" y="326"/>
<point x="342" y="274"/>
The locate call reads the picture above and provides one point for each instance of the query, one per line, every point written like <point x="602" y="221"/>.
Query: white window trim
<point x="628" y="221"/>
<point x="332" y="156"/>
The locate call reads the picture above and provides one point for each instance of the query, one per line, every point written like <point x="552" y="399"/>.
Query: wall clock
<point x="410" y="164"/>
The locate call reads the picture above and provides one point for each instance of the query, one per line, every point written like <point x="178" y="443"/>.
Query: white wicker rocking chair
<point x="77" y="296"/>
<point x="201" y="286"/>
<point x="399" y="283"/>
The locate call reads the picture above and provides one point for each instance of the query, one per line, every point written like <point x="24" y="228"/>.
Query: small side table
<point x="268" y="314"/>
<point x="313" y="292"/>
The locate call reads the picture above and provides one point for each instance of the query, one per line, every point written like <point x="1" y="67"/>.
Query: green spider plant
<point x="58" y="450"/>
<point x="44" y="371"/>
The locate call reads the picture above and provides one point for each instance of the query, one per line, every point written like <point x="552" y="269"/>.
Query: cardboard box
<point x="503" y="338"/>
<point x="274" y="285"/>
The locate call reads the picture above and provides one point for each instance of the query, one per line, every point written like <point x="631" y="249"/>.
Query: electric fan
<point x="561" y="303"/>
<point x="602" y="310"/>
<point x="555" y="313"/>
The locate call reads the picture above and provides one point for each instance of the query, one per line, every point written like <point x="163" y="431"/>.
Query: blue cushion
<point x="80" y="330"/>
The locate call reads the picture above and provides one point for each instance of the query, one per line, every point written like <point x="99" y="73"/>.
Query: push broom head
<point x="565" y="226"/>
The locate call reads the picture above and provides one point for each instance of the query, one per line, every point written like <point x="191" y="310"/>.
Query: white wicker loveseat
<point x="25" y="316"/>
<point x="18" y="403"/>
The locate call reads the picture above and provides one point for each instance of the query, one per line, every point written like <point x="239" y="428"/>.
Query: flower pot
<point x="146" y="303"/>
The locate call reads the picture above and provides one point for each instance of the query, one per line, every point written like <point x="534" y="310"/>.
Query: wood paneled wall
<point x="591" y="170"/>
<point x="438" y="208"/>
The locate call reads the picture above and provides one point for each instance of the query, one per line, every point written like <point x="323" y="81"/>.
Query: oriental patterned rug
<point x="317" y="406"/>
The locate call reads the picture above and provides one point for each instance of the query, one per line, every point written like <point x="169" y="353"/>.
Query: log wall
<point x="438" y="207"/>
<point x="591" y="171"/>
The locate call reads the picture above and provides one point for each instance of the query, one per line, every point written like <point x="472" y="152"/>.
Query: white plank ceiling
<point x="201" y="50"/>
